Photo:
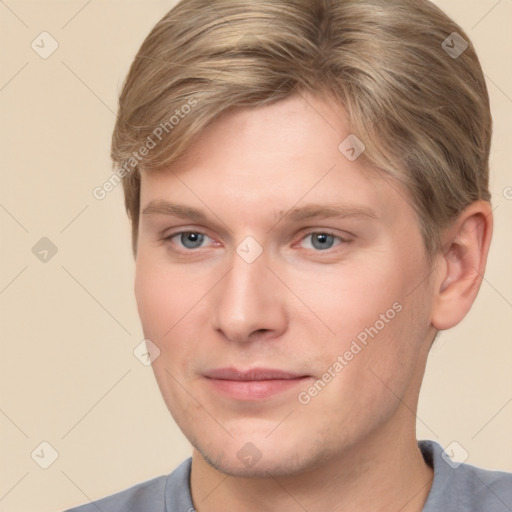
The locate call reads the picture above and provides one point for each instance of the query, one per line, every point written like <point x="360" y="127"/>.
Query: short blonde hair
<point x="414" y="91"/>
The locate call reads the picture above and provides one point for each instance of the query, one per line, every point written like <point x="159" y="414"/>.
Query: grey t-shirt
<point x="456" y="488"/>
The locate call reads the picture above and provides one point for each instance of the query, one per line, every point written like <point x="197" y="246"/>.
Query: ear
<point x="463" y="258"/>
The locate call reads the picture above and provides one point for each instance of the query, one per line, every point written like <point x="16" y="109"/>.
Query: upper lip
<point x="251" y="374"/>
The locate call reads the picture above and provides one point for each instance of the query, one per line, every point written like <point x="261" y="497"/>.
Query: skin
<point x="297" y="307"/>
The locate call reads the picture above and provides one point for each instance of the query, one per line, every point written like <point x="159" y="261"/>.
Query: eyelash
<point x="342" y="241"/>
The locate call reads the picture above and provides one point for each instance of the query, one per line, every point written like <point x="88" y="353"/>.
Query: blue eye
<point x="322" y="241"/>
<point x="317" y="241"/>
<point x="190" y="239"/>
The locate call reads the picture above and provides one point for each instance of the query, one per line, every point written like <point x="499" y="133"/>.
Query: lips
<point x="253" y="384"/>
<point x="251" y="375"/>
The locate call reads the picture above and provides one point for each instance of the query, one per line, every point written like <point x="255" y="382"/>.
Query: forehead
<point x="272" y="159"/>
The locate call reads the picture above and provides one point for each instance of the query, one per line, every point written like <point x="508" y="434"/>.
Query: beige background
<point x="69" y="326"/>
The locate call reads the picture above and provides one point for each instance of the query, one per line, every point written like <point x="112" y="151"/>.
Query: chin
<point x="278" y="466"/>
<point x="264" y="460"/>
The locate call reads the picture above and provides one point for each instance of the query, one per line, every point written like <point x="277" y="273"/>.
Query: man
<point x="307" y="182"/>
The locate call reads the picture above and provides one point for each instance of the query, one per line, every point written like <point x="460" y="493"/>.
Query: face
<point x="284" y="286"/>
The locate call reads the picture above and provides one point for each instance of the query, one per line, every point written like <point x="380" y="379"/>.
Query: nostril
<point x="259" y="333"/>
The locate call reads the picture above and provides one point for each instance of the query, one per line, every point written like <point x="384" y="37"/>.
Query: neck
<point x="385" y="472"/>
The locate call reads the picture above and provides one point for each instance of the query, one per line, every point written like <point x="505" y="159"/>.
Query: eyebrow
<point x="295" y="214"/>
<point x="163" y="207"/>
<point x="329" y="211"/>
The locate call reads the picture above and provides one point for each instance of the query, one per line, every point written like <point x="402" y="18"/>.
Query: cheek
<point x="351" y="298"/>
<point x="366" y="381"/>
<point x="162" y="302"/>
<point x="170" y="309"/>
<point x="379" y="325"/>
<point x="163" y="297"/>
<point x="151" y="297"/>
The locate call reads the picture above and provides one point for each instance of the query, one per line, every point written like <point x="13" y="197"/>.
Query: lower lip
<point x="254" y="389"/>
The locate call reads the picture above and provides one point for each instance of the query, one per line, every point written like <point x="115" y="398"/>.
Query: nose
<point x="248" y="303"/>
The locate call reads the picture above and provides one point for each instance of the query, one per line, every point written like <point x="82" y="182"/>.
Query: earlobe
<point x="466" y="245"/>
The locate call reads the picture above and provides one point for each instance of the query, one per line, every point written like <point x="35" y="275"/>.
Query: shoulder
<point x="463" y="487"/>
<point x="155" y="495"/>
